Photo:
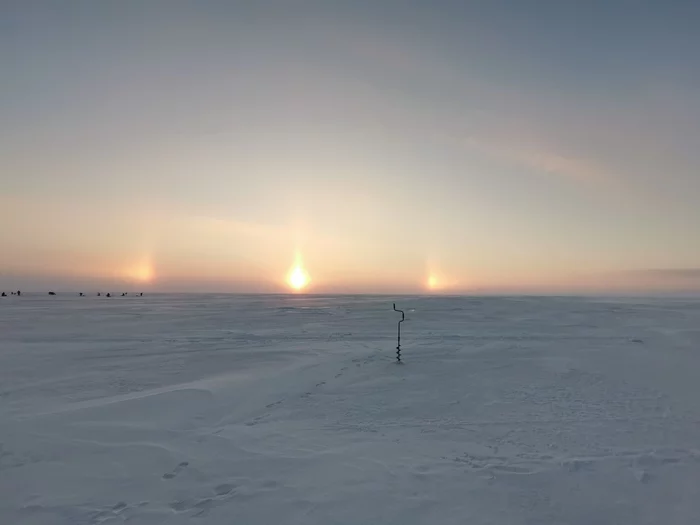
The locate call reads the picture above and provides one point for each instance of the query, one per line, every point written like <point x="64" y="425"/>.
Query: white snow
<point x="290" y="410"/>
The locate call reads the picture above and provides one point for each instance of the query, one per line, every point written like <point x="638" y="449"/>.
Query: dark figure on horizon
<point x="81" y="294"/>
<point x="109" y="295"/>
<point x="141" y="294"/>
<point x="123" y="294"/>
<point x="3" y="294"/>
<point x="19" y="293"/>
<point x="98" y="294"/>
<point x="52" y="293"/>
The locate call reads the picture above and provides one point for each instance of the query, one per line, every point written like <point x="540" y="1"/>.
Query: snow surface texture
<point x="290" y="410"/>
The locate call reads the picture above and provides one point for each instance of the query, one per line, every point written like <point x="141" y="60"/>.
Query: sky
<point x="355" y="146"/>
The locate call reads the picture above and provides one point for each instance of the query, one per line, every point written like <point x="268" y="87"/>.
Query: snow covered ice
<point x="175" y="409"/>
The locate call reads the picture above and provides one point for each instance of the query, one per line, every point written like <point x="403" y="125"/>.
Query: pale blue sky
<point x="493" y="145"/>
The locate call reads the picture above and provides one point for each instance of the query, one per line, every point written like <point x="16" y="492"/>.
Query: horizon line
<point x="640" y="294"/>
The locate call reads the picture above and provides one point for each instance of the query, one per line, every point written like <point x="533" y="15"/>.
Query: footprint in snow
<point x="224" y="488"/>
<point x="202" y="506"/>
<point x="114" y="512"/>
<point x="172" y="474"/>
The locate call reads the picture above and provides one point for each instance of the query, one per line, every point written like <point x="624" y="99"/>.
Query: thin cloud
<point x="569" y="167"/>
<point x="572" y="168"/>
<point x="655" y="279"/>
<point x="674" y="273"/>
<point x="238" y="227"/>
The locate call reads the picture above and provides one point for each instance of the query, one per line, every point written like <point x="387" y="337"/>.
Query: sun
<point x="432" y="282"/>
<point x="142" y="272"/>
<point x="298" y="278"/>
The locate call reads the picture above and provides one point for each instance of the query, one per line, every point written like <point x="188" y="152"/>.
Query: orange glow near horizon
<point x="432" y="282"/>
<point x="441" y="283"/>
<point x="142" y="272"/>
<point x="298" y="278"/>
